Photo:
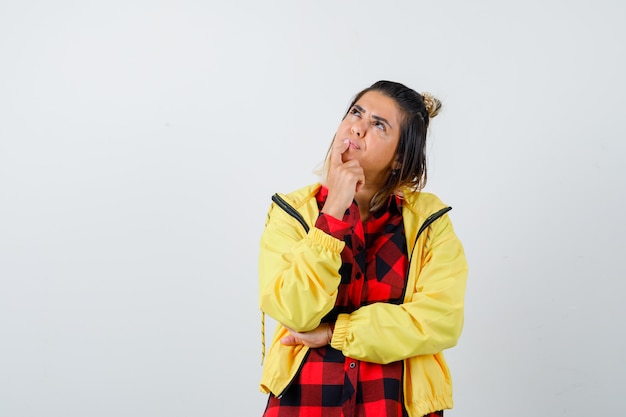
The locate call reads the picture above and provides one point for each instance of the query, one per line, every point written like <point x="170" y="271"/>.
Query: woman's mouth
<point x="352" y="145"/>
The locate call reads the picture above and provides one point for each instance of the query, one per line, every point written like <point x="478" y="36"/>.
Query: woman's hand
<point x="344" y="180"/>
<point x="319" y="337"/>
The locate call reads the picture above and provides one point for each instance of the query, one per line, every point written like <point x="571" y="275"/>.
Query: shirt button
<point x="352" y="365"/>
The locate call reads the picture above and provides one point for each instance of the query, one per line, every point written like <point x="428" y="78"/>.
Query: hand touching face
<point x="372" y="130"/>
<point x="363" y="150"/>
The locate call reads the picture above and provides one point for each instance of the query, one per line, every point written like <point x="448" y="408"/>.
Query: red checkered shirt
<point x="374" y="266"/>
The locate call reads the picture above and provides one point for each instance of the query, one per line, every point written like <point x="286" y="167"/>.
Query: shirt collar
<point x="393" y="205"/>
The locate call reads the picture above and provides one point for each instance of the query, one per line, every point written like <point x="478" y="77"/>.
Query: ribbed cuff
<point x="332" y="243"/>
<point x="340" y="331"/>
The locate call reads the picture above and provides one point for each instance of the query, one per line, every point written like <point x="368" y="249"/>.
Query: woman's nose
<point x="357" y="128"/>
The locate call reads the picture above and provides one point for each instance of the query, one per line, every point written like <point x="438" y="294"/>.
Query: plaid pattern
<point x="374" y="264"/>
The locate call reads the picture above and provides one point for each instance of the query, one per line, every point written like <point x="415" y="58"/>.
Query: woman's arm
<point x="428" y="323"/>
<point x="298" y="272"/>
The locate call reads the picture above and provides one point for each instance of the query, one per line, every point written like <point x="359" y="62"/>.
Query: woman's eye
<point x="379" y="125"/>
<point x="355" y="112"/>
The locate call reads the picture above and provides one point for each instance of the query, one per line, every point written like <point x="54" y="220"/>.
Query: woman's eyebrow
<point x="377" y="118"/>
<point x="381" y="119"/>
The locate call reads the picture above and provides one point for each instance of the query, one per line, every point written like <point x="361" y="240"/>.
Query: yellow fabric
<point x="298" y="281"/>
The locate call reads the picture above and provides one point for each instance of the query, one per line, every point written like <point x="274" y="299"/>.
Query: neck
<point x="363" y="199"/>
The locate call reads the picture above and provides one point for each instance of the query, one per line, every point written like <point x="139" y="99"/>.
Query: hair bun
<point x="432" y="104"/>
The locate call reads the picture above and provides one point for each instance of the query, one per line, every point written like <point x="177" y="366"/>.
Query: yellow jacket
<point x="298" y="281"/>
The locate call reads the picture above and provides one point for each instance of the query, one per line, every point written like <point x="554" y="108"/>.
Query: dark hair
<point x="416" y="109"/>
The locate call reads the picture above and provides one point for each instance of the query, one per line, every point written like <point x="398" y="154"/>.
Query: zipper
<point x="429" y="220"/>
<point x="290" y="210"/>
<point x="296" y="215"/>
<point x="306" y="355"/>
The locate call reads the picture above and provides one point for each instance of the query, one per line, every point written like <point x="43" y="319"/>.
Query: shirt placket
<point x="351" y="371"/>
<point x="351" y="366"/>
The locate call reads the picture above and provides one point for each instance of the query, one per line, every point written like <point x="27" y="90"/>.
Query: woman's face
<point x="372" y="126"/>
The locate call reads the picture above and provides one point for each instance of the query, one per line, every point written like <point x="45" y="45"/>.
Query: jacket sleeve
<point x="298" y="271"/>
<point x="428" y="322"/>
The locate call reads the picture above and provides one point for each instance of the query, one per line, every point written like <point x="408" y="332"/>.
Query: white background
<point x="140" y="142"/>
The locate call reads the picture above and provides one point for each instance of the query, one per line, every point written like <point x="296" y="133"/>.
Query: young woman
<point x="363" y="273"/>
